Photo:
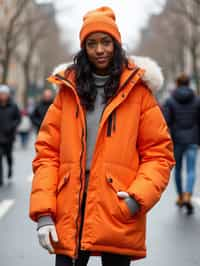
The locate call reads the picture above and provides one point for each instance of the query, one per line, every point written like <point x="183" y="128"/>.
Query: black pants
<point x="6" y="149"/>
<point x="108" y="259"/>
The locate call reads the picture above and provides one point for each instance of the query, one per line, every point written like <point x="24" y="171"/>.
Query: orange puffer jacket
<point x="133" y="153"/>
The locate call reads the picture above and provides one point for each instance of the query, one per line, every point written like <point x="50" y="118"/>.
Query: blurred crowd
<point x="18" y="122"/>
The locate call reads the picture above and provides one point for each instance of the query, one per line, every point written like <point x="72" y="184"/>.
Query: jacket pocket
<point x="62" y="183"/>
<point x="121" y="211"/>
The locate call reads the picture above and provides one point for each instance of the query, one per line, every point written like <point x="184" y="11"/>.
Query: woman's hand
<point x="45" y="233"/>
<point x="130" y="202"/>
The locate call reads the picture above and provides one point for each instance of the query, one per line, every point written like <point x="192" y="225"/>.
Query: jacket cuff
<point x="132" y="205"/>
<point x="44" y="220"/>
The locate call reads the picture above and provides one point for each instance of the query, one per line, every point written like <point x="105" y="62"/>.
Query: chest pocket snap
<point x="113" y="183"/>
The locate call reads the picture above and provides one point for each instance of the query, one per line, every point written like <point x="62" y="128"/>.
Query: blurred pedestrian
<point x="30" y="105"/>
<point x="41" y="108"/>
<point x="24" y="128"/>
<point x="104" y="154"/>
<point x="182" y="112"/>
<point x="9" y="120"/>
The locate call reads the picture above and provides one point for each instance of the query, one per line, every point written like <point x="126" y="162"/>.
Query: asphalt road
<point x="173" y="238"/>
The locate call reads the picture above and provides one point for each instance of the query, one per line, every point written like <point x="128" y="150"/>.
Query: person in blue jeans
<point x="182" y="113"/>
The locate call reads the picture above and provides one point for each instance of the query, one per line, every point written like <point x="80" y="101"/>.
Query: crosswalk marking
<point x="5" y="205"/>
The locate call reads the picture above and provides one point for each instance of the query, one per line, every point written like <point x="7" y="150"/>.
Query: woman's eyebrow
<point x="91" y="40"/>
<point x="106" y="38"/>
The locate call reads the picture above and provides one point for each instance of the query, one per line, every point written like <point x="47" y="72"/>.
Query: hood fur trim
<point x="153" y="76"/>
<point x="61" y="67"/>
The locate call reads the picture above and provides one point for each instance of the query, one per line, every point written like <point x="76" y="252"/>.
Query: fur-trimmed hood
<point x="153" y="76"/>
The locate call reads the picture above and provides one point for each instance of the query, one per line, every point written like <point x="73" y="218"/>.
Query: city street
<point x="172" y="237"/>
<point x="113" y="75"/>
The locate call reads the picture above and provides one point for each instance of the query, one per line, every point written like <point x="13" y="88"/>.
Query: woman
<point x="104" y="154"/>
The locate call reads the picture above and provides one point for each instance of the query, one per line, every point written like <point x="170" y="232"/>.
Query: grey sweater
<point x="93" y="119"/>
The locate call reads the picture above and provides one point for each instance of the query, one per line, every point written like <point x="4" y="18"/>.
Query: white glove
<point x="130" y="202"/>
<point x="122" y="194"/>
<point x="44" y="234"/>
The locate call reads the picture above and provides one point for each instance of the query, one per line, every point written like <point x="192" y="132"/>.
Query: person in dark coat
<point x="41" y="108"/>
<point x="9" y="121"/>
<point x="182" y="113"/>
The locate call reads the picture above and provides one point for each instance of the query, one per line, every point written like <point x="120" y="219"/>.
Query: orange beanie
<point x="100" y="20"/>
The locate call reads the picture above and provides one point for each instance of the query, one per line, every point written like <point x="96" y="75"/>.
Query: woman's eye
<point x="107" y="42"/>
<point x="91" y="44"/>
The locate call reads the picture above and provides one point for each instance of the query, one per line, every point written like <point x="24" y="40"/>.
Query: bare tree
<point x="164" y="40"/>
<point x="10" y="35"/>
<point x="31" y="39"/>
<point x="34" y="34"/>
<point x="32" y="43"/>
<point x="189" y="11"/>
<point x="173" y="39"/>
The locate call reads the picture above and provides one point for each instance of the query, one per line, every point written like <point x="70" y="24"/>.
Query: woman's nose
<point x="99" y="48"/>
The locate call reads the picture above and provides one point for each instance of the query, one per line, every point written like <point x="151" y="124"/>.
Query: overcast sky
<point x="131" y="16"/>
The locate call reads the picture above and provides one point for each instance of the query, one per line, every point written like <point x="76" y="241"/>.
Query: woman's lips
<point x="101" y="60"/>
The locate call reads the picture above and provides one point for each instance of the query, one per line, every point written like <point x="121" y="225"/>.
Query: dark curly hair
<point x="183" y="80"/>
<point x="85" y="81"/>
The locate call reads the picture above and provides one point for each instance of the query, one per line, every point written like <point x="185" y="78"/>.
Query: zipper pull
<point x="109" y="126"/>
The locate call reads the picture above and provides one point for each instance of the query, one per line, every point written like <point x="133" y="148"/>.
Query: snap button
<point x="123" y="95"/>
<point x="109" y="179"/>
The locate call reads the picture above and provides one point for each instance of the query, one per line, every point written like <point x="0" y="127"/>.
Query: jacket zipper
<point x="109" y="128"/>
<point x="77" y="238"/>
<point x="84" y="134"/>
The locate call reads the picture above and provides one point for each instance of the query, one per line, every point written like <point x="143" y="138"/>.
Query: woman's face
<point x="100" y="50"/>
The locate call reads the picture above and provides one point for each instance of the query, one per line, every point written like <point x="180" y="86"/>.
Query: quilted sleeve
<point x="156" y="154"/>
